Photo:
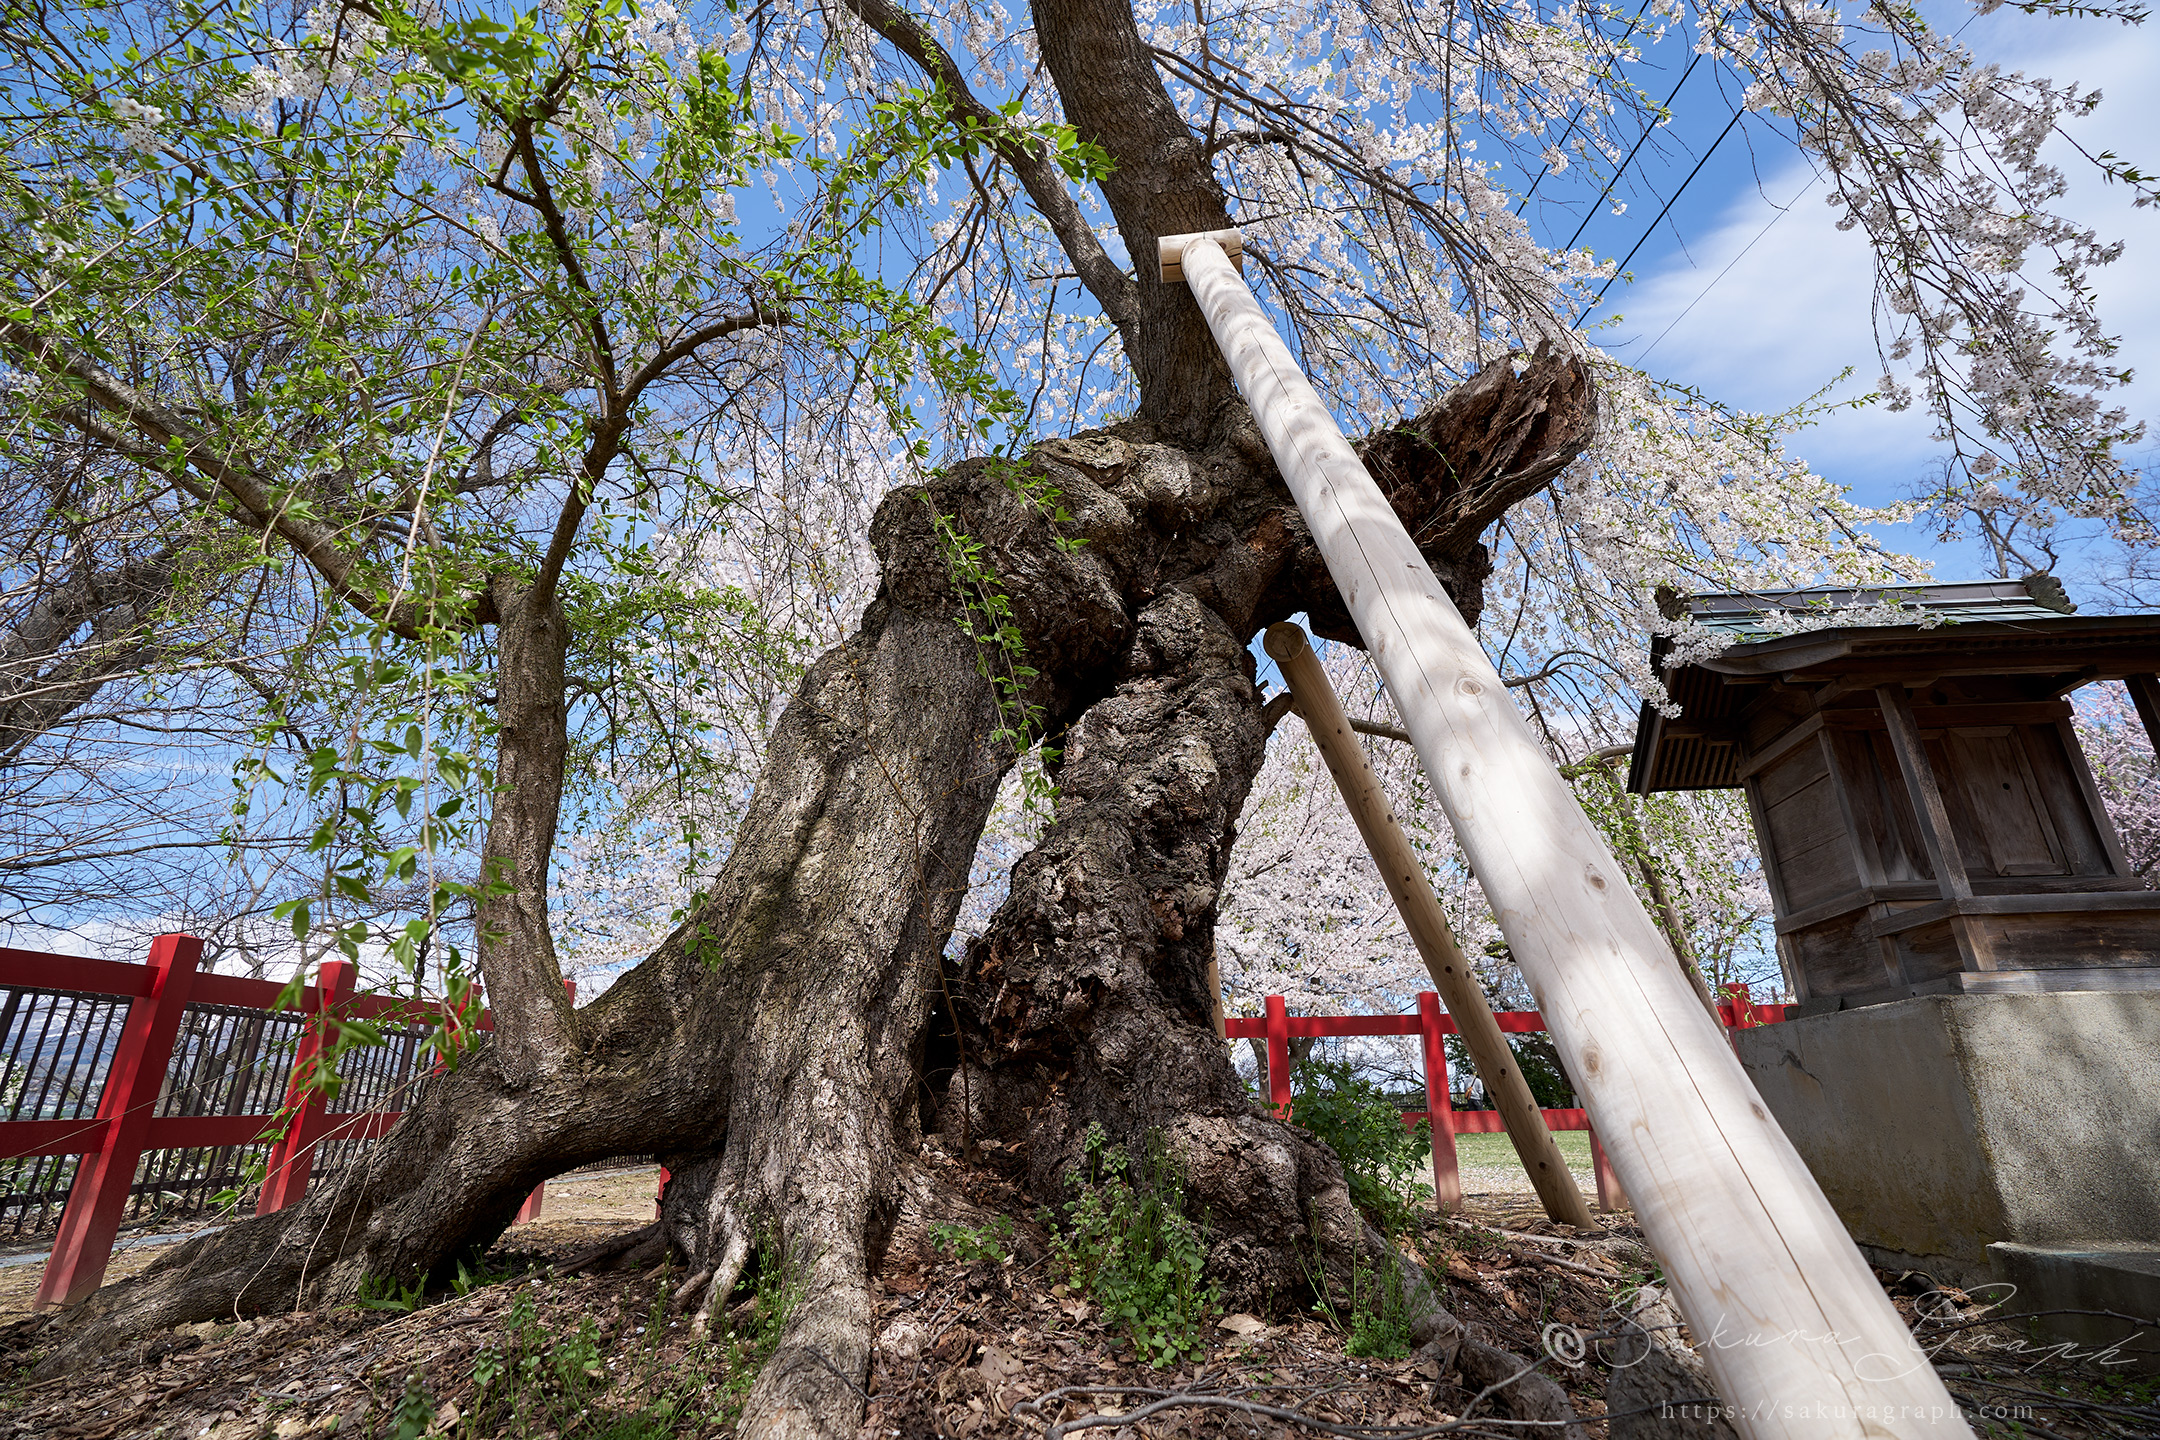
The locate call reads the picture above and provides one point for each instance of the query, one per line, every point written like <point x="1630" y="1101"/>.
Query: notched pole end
<point x="1170" y="251"/>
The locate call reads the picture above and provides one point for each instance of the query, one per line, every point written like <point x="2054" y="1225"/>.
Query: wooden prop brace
<point x="1427" y="923"/>
<point x="1797" y="1333"/>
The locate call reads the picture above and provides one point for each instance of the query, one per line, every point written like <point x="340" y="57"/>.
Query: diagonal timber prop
<point x="1799" y="1337"/>
<point x="1427" y="923"/>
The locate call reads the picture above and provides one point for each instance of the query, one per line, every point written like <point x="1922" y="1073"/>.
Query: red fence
<point x="132" y="1119"/>
<point x="1278" y="1027"/>
<point x="142" y="1083"/>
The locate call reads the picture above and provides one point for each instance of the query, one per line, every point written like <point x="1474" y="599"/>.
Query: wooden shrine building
<point x="1927" y="819"/>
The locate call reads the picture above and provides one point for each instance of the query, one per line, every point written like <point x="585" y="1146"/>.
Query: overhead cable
<point x="1661" y="214"/>
<point x="1648" y="131"/>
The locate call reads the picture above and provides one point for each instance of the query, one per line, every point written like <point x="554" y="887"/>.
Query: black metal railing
<point x="55" y="1049"/>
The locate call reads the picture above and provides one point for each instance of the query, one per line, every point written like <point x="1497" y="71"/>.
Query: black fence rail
<point x="56" y="1047"/>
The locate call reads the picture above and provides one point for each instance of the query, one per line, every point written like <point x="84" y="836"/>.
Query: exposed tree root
<point x="632" y="1250"/>
<point x="445" y="1182"/>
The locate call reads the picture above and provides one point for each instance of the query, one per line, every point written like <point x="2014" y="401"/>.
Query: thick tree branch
<point x="1457" y="466"/>
<point x="316" y="542"/>
<point x="1112" y="288"/>
<point x="756" y="317"/>
<point x="116" y="604"/>
<point x="1161" y="184"/>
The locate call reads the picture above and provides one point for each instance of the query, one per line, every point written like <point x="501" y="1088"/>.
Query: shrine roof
<point x="1768" y="614"/>
<point x="2026" y="629"/>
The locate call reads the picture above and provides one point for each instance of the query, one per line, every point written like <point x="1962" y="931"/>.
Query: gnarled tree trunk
<point x="771" y="1051"/>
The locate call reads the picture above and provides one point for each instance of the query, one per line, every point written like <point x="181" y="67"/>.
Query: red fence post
<point x="293" y="1156"/>
<point x="530" y="1210"/>
<point x="104" y="1176"/>
<point x="1446" y="1174"/>
<point x="1609" y="1194"/>
<point x="1278" y="1056"/>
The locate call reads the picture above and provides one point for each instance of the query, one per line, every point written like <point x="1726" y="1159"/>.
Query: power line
<point x="1622" y="170"/>
<point x="1622" y="266"/>
<point x="1641" y="140"/>
<point x="1781" y="214"/>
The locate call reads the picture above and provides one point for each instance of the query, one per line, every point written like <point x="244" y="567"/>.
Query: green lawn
<point x="1489" y="1165"/>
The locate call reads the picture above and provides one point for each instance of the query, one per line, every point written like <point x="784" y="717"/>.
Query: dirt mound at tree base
<point x="967" y="1347"/>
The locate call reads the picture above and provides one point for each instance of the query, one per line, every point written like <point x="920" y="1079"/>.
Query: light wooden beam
<point x="1800" y="1337"/>
<point x="1427" y="923"/>
<point x="1171" y="248"/>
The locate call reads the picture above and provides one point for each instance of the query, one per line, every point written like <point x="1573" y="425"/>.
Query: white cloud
<point x="1793" y="309"/>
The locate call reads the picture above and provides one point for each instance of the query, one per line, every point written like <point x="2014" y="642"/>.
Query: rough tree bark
<point x="1084" y="1001"/>
<point x="1162" y="185"/>
<point x="771" y="1051"/>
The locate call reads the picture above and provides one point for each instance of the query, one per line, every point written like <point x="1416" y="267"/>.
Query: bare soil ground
<point x="578" y="1206"/>
<point x="984" y="1348"/>
<point x="19" y="1283"/>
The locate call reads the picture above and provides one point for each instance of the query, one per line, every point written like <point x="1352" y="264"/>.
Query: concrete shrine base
<point x="2078" y="1293"/>
<point x="2011" y="1139"/>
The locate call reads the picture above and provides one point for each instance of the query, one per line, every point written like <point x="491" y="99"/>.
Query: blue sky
<point x="1762" y="305"/>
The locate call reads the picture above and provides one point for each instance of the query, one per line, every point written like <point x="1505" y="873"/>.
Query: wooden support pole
<point x="1806" y="1342"/>
<point x="1427" y="923"/>
<point x="104" y="1177"/>
<point x="1645" y="864"/>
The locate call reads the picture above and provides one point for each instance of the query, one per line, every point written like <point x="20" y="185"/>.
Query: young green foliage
<point x="1127" y="1243"/>
<point x="968" y="1244"/>
<point x="1376" y="1313"/>
<point x="425" y="308"/>
<point x="1381" y="1157"/>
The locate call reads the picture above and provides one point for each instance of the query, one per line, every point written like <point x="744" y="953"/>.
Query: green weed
<point x="777" y="1287"/>
<point x="1377" y="1315"/>
<point x="1130" y="1247"/>
<point x="1380" y="1156"/>
<point x="414" y="1412"/>
<point x="386" y="1292"/>
<point x="992" y="1241"/>
<point x="541" y="1378"/>
<point x="535" y="1381"/>
<point x="473" y="1272"/>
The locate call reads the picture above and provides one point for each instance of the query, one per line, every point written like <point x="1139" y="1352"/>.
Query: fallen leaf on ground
<point x="998" y="1367"/>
